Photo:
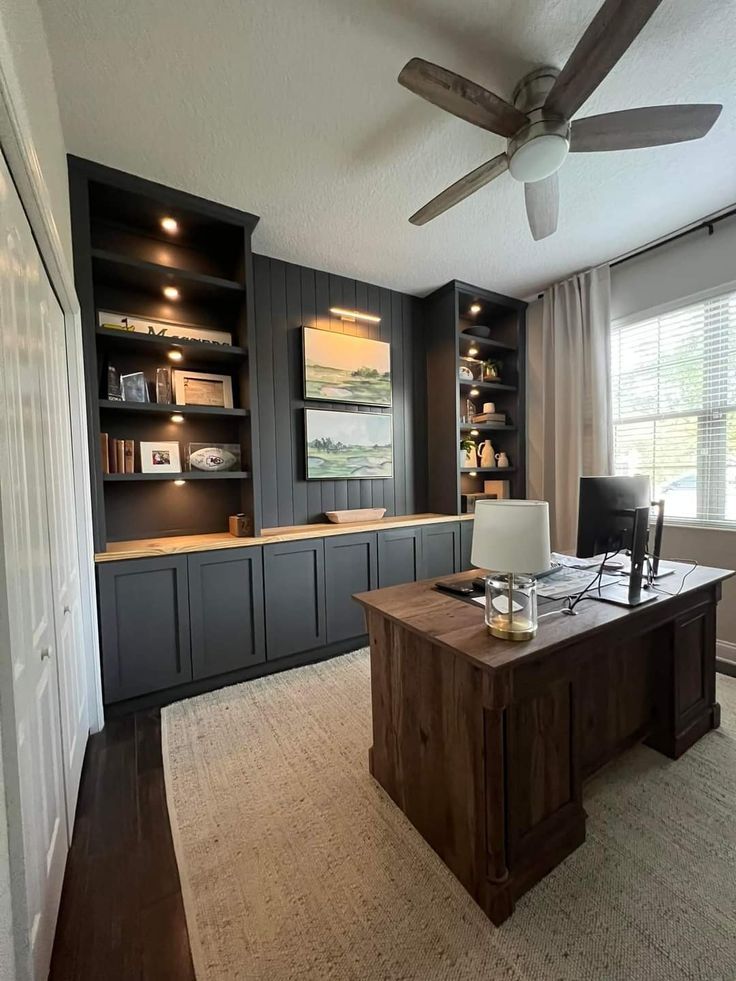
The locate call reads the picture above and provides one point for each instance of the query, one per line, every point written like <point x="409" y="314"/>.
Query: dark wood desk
<point x="485" y="744"/>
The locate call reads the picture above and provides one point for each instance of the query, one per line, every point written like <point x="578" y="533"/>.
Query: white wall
<point x="22" y="31"/>
<point x="21" y="22"/>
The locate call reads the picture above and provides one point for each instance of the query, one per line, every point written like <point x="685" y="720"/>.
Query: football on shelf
<point x="212" y="458"/>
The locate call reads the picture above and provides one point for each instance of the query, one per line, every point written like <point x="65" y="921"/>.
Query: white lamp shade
<point x="511" y="536"/>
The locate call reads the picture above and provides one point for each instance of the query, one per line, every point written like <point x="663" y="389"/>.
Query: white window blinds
<point x="674" y="407"/>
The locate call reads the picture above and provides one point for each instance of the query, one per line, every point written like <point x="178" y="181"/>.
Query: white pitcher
<point x="487" y="453"/>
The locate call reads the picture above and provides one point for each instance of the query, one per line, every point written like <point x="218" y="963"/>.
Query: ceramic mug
<point x="489" y="407"/>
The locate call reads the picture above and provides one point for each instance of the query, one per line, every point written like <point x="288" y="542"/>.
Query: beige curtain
<point x="569" y="395"/>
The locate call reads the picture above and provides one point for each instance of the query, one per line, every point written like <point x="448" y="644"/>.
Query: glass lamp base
<point x="516" y="630"/>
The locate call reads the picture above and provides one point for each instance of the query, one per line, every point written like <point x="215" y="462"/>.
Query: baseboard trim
<point x="726" y="657"/>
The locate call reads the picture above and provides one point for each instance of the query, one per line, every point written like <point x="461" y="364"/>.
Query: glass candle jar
<point x="511" y="607"/>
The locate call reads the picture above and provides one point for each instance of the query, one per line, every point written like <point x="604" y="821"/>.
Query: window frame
<point x="658" y="310"/>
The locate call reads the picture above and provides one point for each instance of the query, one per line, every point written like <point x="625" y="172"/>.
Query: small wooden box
<point x="239" y="525"/>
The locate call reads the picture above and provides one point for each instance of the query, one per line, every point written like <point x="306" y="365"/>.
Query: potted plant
<point x="468" y="452"/>
<point x="491" y="370"/>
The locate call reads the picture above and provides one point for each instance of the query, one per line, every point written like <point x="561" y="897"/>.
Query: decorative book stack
<point x="490" y="418"/>
<point x="117" y="455"/>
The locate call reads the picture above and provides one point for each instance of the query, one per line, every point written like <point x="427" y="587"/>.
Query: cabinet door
<point x="144" y="626"/>
<point x="399" y="556"/>
<point x="466" y="544"/>
<point x="351" y="566"/>
<point x="294" y="578"/>
<point x="440" y="549"/>
<point x="226" y="610"/>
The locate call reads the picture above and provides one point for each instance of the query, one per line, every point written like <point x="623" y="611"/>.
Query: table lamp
<point x="512" y="539"/>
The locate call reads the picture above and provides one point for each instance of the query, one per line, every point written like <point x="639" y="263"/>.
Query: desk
<point x="485" y="744"/>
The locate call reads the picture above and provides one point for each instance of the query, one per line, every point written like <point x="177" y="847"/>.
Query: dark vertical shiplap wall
<point x="288" y="297"/>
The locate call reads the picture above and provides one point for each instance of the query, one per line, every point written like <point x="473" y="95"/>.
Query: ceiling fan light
<point x="539" y="158"/>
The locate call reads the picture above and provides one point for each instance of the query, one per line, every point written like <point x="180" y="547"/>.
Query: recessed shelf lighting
<point x="475" y="391"/>
<point x="475" y="432"/>
<point x="170" y="225"/>
<point x="472" y="352"/>
<point x="354" y="315"/>
<point x="471" y="474"/>
<point x="475" y="308"/>
<point x="171" y="293"/>
<point x="179" y="483"/>
<point x="175" y="355"/>
<point x="177" y="417"/>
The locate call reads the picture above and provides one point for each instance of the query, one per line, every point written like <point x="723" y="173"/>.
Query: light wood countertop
<point x="145" y="548"/>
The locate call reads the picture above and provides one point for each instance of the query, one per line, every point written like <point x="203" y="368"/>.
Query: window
<point x="674" y="407"/>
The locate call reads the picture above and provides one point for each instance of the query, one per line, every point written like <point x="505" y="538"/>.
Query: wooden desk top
<point x="460" y="626"/>
<point x="148" y="547"/>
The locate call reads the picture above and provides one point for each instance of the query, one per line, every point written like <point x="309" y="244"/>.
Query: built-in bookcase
<point x="123" y="260"/>
<point x="465" y="326"/>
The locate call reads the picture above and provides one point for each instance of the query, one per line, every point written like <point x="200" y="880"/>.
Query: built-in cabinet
<point x="225" y="614"/>
<point x="225" y="610"/>
<point x="294" y="579"/>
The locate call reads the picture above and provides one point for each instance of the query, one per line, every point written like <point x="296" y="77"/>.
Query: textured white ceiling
<point x="290" y="109"/>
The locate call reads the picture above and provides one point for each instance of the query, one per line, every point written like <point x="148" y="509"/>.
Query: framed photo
<point x="348" y="444"/>
<point x="202" y="388"/>
<point x="213" y="457"/>
<point x="133" y="387"/>
<point x="160" y="457"/>
<point x="345" y="368"/>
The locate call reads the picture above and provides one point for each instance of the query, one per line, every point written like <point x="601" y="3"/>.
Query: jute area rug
<point x="295" y="865"/>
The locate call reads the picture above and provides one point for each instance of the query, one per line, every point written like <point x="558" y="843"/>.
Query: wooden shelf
<point x="491" y="386"/>
<point x="186" y="475"/>
<point x="486" y="427"/>
<point x="194" y="351"/>
<point x="156" y="408"/>
<point x="487" y="469"/>
<point x="123" y="270"/>
<point x="487" y="343"/>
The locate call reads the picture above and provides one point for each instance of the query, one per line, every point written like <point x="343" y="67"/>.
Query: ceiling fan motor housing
<point x="539" y="149"/>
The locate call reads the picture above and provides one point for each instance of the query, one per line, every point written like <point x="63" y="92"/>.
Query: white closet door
<point x="64" y="557"/>
<point x="26" y="544"/>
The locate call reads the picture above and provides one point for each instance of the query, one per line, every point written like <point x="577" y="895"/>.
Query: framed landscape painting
<point x="346" y="445"/>
<point x="344" y="368"/>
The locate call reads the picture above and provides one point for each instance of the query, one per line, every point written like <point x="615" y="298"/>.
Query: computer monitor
<point x="606" y="513"/>
<point x="613" y="516"/>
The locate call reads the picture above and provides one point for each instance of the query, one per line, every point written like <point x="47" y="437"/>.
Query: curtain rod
<point x="705" y="223"/>
<point x="658" y="243"/>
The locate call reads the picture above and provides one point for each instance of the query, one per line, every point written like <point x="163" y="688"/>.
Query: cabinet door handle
<point x="67" y="609"/>
<point x="45" y="653"/>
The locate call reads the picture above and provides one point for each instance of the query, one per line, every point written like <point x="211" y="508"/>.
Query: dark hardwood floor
<point x="121" y="915"/>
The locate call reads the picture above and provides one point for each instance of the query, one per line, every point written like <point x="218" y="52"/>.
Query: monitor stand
<point x="619" y="593"/>
<point x="630" y="593"/>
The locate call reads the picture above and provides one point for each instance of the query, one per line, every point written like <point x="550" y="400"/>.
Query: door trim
<point x="18" y="147"/>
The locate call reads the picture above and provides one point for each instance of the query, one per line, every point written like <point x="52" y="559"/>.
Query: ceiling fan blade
<point x="635" y="128"/>
<point x="461" y="189"/>
<point x="607" y="37"/>
<point x="461" y="97"/>
<point x="542" y="206"/>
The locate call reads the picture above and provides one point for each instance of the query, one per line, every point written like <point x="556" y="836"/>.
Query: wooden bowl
<point x="355" y="514"/>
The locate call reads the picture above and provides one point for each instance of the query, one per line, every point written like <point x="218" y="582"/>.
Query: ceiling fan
<point x="538" y="126"/>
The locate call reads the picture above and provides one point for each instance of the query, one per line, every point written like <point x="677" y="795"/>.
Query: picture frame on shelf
<point x="162" y="456"/>
<point x="213" y="457"/>
<point x="133" y="387"/>
<point x="202" y="388"/>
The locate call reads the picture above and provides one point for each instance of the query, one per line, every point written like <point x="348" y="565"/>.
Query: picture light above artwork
<point x="371" y="318"/>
